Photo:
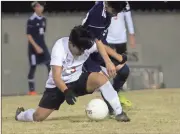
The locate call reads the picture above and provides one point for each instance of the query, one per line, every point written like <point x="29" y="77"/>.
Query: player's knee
<point x="101" y="79"/>
<point x="124" y="72"/>
<point x="38" y="117"/>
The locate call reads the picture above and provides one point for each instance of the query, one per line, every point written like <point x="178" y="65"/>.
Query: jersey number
<point x="41" y="31"/>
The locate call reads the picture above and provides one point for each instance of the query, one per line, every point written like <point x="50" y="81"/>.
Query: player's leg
<point x="95" y="80"/>
<point x="32" y="70"/>
<point x="31" y="115"/>
<point x="50" y="101"/>
<point x="122" y="75"/>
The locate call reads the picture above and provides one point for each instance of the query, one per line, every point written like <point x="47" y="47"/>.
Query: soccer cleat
<point x="18" y="111"/>
<point x="32" y="93"/>
<point x="122" y="117"/>
<point x="124" y="101"/>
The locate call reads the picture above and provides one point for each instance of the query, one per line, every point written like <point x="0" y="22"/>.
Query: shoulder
<point x="32" y="17"/>
<point x="60" y="43"/>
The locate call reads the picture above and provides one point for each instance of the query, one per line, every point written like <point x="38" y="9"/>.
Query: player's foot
<point x="122" y="117"/>
<point x="124" y="101"/>
<point x="32" y="93"/>
<point x="18" y="111"/>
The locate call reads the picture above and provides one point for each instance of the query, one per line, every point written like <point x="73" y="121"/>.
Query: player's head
<point x="38" y="7"/>
<point x="114" y="7"/>
<point x="80" y="39"/>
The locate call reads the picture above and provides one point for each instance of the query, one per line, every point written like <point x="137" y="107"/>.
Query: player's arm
<point x="120" y="58"/>
<point x="128" y="19"/>
<point x="30" y="38"/>
<point x="109" y="65"/>
<point x="56" y="72"/>
<point x="57" y="64"/>
<point x="69" y="95"/>
<point x="34" y="44"/>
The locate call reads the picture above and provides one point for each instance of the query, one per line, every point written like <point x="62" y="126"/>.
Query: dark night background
<point x="63" y="6"/>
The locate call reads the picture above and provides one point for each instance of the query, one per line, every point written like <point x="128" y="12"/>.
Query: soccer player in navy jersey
<point x="117" y="39"/>
<point x="37" y="50"/>
<point x="97" y="22"/>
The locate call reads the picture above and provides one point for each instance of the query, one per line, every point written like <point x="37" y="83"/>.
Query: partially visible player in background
<point x="117" y="39"/>
<point x="97" y="21"/>
<point x="37" y="50"/>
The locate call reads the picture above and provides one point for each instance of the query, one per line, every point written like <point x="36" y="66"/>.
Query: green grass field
<point x="154" y="112"/>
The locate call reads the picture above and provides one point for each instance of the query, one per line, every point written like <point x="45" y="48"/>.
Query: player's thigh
<point x="50" y="101"/>
<point x="42" y="113"/>
<point x="95" y="80"/>
<point x="87" y="83"/>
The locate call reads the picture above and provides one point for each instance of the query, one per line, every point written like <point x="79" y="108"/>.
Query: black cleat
<point x="18" y="111"/>
<point x="122" y="117"/>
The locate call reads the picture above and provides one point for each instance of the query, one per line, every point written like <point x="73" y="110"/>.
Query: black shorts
<point x="120" y="48"/>
<point x="35" y="59"/>
<point x="53" y="97"/>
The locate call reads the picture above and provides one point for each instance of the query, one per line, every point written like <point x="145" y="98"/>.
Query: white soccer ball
<point x="97" y="109"/>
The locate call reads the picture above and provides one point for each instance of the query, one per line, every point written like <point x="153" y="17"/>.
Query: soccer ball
<point x="97" y="110"/>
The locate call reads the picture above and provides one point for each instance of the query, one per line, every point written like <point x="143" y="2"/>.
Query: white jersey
<point x="117" y="29"/>
<point x="72" y="66"/>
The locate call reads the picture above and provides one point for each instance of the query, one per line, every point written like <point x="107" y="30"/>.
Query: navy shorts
<point x="94" y="62"/>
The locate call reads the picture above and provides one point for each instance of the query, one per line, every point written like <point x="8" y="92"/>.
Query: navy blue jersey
<point x="97" y="21"/>
<point x="36" y="27"/>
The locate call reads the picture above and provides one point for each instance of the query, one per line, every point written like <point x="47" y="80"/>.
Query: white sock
<point x="26" y="116"/>
<point x="112" y="97"/>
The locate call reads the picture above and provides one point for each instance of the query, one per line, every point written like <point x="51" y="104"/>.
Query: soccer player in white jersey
<point x="117" y="39"/>
<point x="67" y="81"/>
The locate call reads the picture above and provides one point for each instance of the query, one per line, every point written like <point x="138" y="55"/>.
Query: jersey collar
<point x="39" y="17"/>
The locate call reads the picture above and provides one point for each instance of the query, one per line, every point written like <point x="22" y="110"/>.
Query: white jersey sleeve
<point x="128" y="19"/>
<point x="93" y="49"/>
<point x="57" y="55"/>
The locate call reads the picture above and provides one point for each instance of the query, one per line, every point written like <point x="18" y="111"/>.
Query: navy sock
<point x="31" y="81"/>
<point x="121" y="78"/>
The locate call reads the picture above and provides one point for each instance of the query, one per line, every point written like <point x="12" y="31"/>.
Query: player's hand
<point x="111" y="69"/>
<point x="39" y="50"/>
<point x="70" y="97"/>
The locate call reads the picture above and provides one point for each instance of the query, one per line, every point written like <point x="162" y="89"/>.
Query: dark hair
<point x="117" y="6"/>
<point x="81" y="38"/>
<point x="42" y="3"/>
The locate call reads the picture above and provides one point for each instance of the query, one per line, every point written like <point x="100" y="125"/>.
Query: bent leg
<point x="50" y="101"/>
<point x="31" y="115"/>
<point x="41" y="113"/>
<point x="98" y="80"/>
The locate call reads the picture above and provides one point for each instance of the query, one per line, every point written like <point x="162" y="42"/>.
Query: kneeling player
<point x="67" y="81"/>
